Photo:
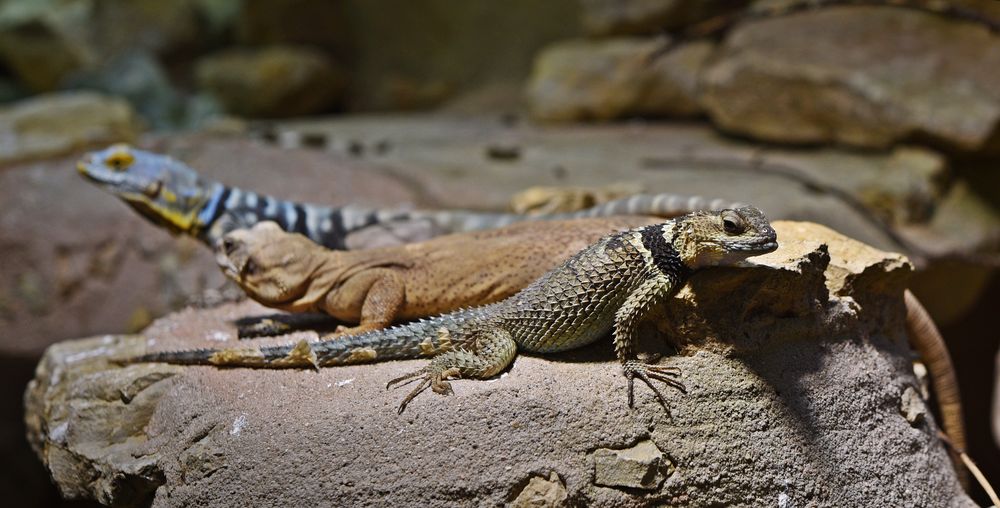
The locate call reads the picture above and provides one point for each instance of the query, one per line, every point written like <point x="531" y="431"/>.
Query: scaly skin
<point x="377" y="287"/>
<point x="606" y="287"/>
<point x="174" y="196"/>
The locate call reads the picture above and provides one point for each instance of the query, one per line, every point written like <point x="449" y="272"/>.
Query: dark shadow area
<point x="24" y="482"/>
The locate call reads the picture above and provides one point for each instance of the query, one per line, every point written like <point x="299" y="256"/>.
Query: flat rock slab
<point x="797" y="374"/>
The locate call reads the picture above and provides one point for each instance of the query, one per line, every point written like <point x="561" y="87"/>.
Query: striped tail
<point x="423" y="338"/>
<point x="663" y="205"/>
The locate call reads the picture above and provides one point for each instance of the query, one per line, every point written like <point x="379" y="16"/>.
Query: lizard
<point x="378" y="286"/>
<point x="174" y="196"/>
<point x="606" y="287"/>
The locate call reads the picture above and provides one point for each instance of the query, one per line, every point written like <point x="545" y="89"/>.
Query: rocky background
<point x="851" y="116"/>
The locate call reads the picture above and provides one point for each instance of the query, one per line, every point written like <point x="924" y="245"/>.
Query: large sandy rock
<point x="273" y="81"/>
<point x="861" y="76"/>
<point x="799" y="392"/>
<point x="614" y="78"/>
<point x="53" y="124"/>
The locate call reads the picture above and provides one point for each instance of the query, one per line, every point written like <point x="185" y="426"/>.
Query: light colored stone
<point x="273" y="81"/>
<point x="615" y="78"/>
<point x="639" y="467"/>
<point x="541" y="492"/>
<point x="862" y="76"/>
<point x="769" y="350"/>
<point x="53" y="124"/>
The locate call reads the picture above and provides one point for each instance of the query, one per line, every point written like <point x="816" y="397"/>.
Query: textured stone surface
<point x="614" y="78"/>
<point x="272" y="81"/>
<point x="542" y="492"/>
<point x="769" y="352"/>
<point x="53" y="124"/>
<point x="861" y="76"/>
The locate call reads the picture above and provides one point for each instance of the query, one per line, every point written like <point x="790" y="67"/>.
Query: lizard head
<point x="272" y="265"/>
<point x="161" y="189"/>
<point x="724" y="237"/>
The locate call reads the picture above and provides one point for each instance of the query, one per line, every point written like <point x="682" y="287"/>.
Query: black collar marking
<point x="665" y="256"/>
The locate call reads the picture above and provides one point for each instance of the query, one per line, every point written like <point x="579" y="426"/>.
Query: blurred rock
<point x="139" y="78"/>
<point x="272" y="82"/>
<point x="754" y="424"/>
<point x="643" y="17"/>
<point x="45" y="41"/>
<point x="614" y="78"/>
<point x="57" y="123"/>
<point x="545" y="200"/>
<point x="417" y="55"/>
<point x="862" y="76"/>
<point x="38" y="44"/>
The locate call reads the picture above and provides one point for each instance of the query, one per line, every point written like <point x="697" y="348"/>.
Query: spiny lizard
<point x="174" y="196"/>
<point x="606" y="287"/>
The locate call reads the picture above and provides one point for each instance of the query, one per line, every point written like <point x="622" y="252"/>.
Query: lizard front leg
<point x="490" y="351"/>
<point x="384" y="293"/>
<point x="627" y="320"/>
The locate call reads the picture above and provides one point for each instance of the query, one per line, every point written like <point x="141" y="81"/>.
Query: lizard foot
<point x="647" y="373"/>
<point x="429" y="376"/>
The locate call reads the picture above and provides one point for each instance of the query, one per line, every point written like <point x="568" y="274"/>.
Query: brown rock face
<point x="861" y="76"/>
<point x="798" y="380"/>
<point x="272" y="82"/>
<point x="607" y="79"/>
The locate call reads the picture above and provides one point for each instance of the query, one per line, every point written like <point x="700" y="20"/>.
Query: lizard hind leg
<point x="490" y="351"/>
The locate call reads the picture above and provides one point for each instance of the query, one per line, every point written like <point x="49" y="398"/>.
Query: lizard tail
<point x="925" y="337"/>
<point x="659" y="205"/>
<point x="423" y="338"/>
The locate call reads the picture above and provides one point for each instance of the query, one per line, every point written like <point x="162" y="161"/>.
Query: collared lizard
<point x="608" y="286"/>
<point x="174" y="196"/>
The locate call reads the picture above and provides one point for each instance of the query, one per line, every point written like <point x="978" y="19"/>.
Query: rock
<point x="638" y="467"/>
<point x="768" y="353"/>
<point x="912" y="406"/>
<point x="542" y="493"/>
<point x="644" y="17"/>
<point x="57" y="123"/>
<point x="37" y="49"/>
<point x="862" y="76"/>
<point x="272" y="82"/>
<point x="428" y="52"/>
<point x="139" y="78"/>
<point x="615" y="78"/>
<point x="45" y="42"/>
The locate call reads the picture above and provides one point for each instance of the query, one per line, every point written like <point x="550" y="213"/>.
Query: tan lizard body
<point x="377" y="287"/>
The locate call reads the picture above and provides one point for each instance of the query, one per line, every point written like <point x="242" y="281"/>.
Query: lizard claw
<point x="428" y="377"/>
<point x="647" y="373"/>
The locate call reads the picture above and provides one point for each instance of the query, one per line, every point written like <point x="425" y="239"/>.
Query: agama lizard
<point x="380" y="286"/>
<point x="606" y="287"/>
<point x="174" y="196"/>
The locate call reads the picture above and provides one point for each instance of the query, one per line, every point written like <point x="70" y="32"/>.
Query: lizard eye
<point x="733" y="225"/>
<point x="250" y="268"/>
<point x="120" y="161"/>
